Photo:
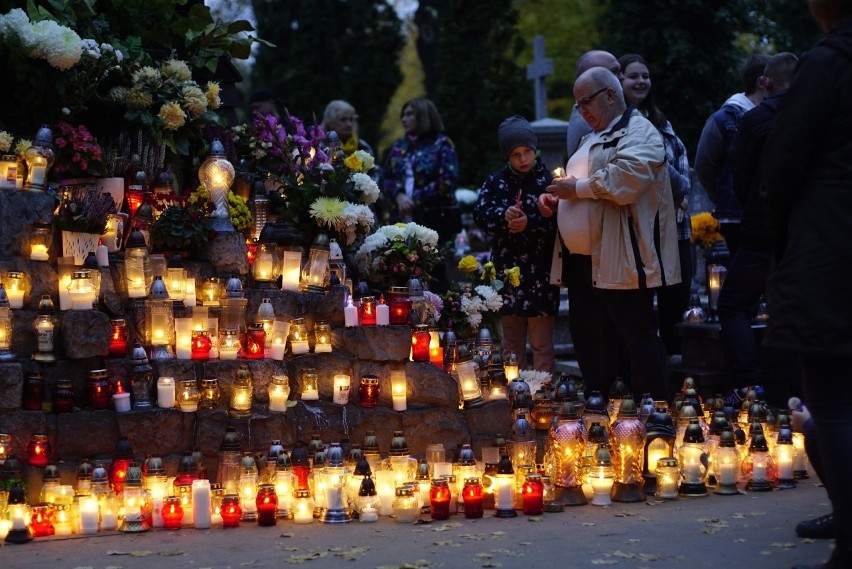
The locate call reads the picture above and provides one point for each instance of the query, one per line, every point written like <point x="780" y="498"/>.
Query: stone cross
<point x="538" y="71"/>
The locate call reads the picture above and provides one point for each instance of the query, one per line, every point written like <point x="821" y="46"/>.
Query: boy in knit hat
<point x="507" y="210"/>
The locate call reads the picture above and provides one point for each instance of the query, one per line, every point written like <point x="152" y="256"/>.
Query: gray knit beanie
<point x="514" y="132"/>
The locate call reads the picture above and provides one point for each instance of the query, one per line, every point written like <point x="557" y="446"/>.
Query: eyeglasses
<point x="585" y="101"/>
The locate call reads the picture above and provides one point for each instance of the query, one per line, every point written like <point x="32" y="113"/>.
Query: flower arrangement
<point x="705" y="230"/>
<point x="395" y="253"/>
<point x="83" y="210"/>
<point x="535" y="379"/>
<point x="310" y="176"/>
<point x="76" y="152"/>
<point x="470" y="305"/>
<point x="59" y="45"/>
<point x="182" y="223"/>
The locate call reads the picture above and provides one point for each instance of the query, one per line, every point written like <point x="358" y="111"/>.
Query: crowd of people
<point x="614" y="228"/>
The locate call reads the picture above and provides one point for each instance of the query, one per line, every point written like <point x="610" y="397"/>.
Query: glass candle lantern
<point x="298" y="336"/>
<point x="229" y="343"/>
<point x="210" y="393"/>
<point x="45" y="327"/>
<point x="471" y="391"/>
<point x="137" y="266"/>
<point x="5" y="447"/>
<point x="532" y="495"/>
<point x="627" y="439"/>
<point x="278" y="346"/>
<point x="266" y="315"/>
<point x="667" y="475"/>
<point x="510" y="366"/>
<point x="315" y="273"/>
<point x="233" y="313"/>
<point x="188" y="396"/>
<point x="472" y="497"/>
<point x="759" y="465"/>
<point x="17" y="285"/>
<point x="98" y="389"/>
<point x="279" y="392"/>
<point x="255" y="342"/>
<point x="166" y="393"/>
<point x="693" y="461"/>
<point x="420" y="342"/>
<point x="659" y="443"/>
<point x="439" y="499"/>
<point x="727" y="464"/>
<point x="211" y="291"/>
<point x="141" y="376"/>
<point x="217" y="174"/>
<point x="309" y="384"/>
<point x="601" y="476"/>
<point x="81" y="291"/>
<point x="322" y="335"/>
<point x="267" y="505"/>
<point x="291" y="267"/>
<point x="201" y="345"/>
<point x="400" y="305"/>
<point x="341" y="389"/>
<point x="231" y="511"/>
<point x="266" y="267"/>
<point x="405" y="505"/>
<point x="39" y="158"/>
<point x="159" y="326"/>
<point x="33" y="387"/>
<point x="784" y="454"/>
<point x="399" y="388"/>
<point x="113" y="237"/>
<point x="248" y="495"/>
<point x="5" y="328"/>
<point x="716" y="278"/>
<point x="303" y="507"/>
<point x="63" y="396"/>
<point x="285" y="486"/>
<point x="504" y="489"/>
<point x="241" y="394"/>
<point x="368" y="391"/>
<point x="172" y="512"/>
<point x="176" y="283"/>
<point x="118" y="338"/>
<point x="41" y="236"/>
<point x="367" y="311"/>
<point x="9" y="172"/>
<point x="41" y="520"/>
<point x="38" y="450"/>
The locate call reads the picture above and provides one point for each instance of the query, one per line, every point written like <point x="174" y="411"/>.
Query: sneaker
<point x="817" y="528"/>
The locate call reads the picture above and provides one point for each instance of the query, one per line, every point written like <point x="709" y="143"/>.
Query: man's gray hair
<point x="603" y="77"/>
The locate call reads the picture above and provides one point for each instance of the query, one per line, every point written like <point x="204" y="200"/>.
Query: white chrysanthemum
<point x="194" y="101"/>
<point x="366" y="185"/>
<point x="17" y="23"/>
<point x="91" y="48"/>
<point x="535" y="379"/>
<point x="5" y="141"/>
<point x="421" y="233"/>
<point x="475" y="320"/>
<point x="59" y="45"/>
<point x="177" y="70"/>
<point x="367" y="160"/>
<point x="490" y="297"/>
<point x="471" y="305"/>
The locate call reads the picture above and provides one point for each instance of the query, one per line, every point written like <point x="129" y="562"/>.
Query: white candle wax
<point x="785" y="467"/>
<point x="727" y="474"/>
<point x="758" y="473"/>
<point x="310" y="394"/>
<point x="136" y="289"/>
<point x="18" y="518"/>
<point x="39" y="253"/>
<point x="64" y="295"/>
<point x="102" y="255"/>
<point x="16" y="297"/>
<point x="440" y="469"/>
<point x="166" y="392"/>
<point x="382" y="314"/>
<point x="666" y="486"/>
<point x="350" y="315"/>
<point x="37" y="178"/>
<point x="109" y="519"/>
<point x="201" y="504"/>
<point x="302" y="513"/>
<point x="121" y="401"/>
<point x="385" y="491"/>
<point x="334" y="498"/>
<point x="278" y="349"/>
<point x="157" y="512"/>
<point x="399" y="402"/>
<point x="278" y="402"/>
<point x="299" y="347"/>
<point x="88" y="515"/>
<point x="601" y="488"/>
<point x="189" y="292"/>
<point x="5" y="526"/>
<point x="8" y="175"/>
<point x="322" y="348"/>
<point x="369" y="514"/>
<point x="228" y="353"/>
<point x="341" y="389"/>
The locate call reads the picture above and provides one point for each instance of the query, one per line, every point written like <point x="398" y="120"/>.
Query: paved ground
<point x="751" y="531"/>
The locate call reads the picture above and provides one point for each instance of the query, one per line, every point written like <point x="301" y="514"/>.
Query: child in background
<point x="507" y="209"/>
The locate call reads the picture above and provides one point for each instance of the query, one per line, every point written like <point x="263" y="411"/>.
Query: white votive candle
<point x="166" y="392"/>
<point x="121" y="402"/>
<point x="299" y="347"/>
<point x="382" y="314"/>
<point x="201" y="514"/>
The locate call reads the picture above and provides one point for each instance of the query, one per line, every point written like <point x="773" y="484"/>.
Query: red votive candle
<point x="172" y="512"/>
<point x="533" y="495"/>
<point x="231" y="511"/>
<point x="267" y="505"/>
<point x="472" y="498"/>
<point x="439" y="499"/>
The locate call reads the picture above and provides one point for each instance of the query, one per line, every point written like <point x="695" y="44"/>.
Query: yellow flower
<point x="172" y="116"/>
<point x="489" y="273"/>
<point x="705" y="229"/>
<point x="353" y="163"/>
<point x="194" y="101"/>
<point x="212" y="94"/>
<point x="513" y="276"/>
<point x="5" y="141"/>
<point x="327" y="210"/>
<point x="177" y="69"/>
<point x="23" y="144"/>
<point x="468" y="264"/>
<point x="138" y="98"/>
<point x="367" y="160"/>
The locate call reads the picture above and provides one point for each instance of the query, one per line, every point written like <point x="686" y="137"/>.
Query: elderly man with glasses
<point x="617" y="185"/>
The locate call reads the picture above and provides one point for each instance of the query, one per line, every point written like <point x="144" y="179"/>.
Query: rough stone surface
<point x="86" y="333"/>
<point x="11" y="386"/>
<point x="84" y="434"/>
<point x="312" y="307"/>
<point x="428" y="386"/>
<point x="21" y="425"/>
<point x="327" y="366"/>
<point x="18" y="211"/>
<point x="378" y="343"/>
<point x="227" y="254"/>
<point x="42" y="276"/>
<point x="158" y="431"/>
<point x="486" y="421"/>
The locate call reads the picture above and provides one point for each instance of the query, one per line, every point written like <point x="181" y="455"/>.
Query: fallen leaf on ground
<point x="140" y="553"/>
<point x="783" y="545"/>
<point x="446" y="543"/>
<point x="535" y="519"/>
<point x="288" y="534"/>
<point x="113" y="552"/>
<point x="170" y="553"/>
<point x="484" y="555"/>
<point x="604" y="562"/>
<point x="588" y="523"/>
<point x="492" y="564"/>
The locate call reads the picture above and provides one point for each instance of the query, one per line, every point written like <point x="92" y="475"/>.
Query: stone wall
<point x="433" y="413"/>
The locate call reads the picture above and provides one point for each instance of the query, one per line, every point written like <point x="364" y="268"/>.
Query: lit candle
<point x="303" y="510"/>
<point x="5" y="526"/>
<point x="136" y="288"/>
<point x="601" y="487"/>
<point x="309" y="393"/>
<point x="183" y="338"/>
<point x="277" y="349"/>
<point x="121" y="402"/>
<point x="785" y="466"/>
<point x="386" y="491"/>
<point x="88" y="507"/>
<point x="16" y="297"/>
<point x="189" y="292"/>
<point x="341" y="389"/>
<point x="39" y="253"/>
<point x="350" y="314"/>
<point x="291" y="262"/>
<point x="759" y="471"/>
<point x="64" y="295"/>
<point x="109" y="517"/>
<point x="369" y="514"/>
<point x="37" y="176"/>
<point x="102" y="255"/>
<point x="201" y="514"/>
<point x="382" y="313"/>
<point x="62" y="520"/>
<point x="727" y="474"/>
<point x="398" y="389"/>
<point x="299" y="347"/>
<point x="166" y="392"/>
<point x="436" y="356"/>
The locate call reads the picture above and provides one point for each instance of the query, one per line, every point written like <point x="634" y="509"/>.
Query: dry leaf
<point x="446" y="543"/>
<point x="290" y="548"/>
<point x="634" y="540"/>
<point x="492" y="564"/>
<point x="525" y="543"/>
<point x="484" y="555"/>
<point x="604" y="562"/>
<point x="710" y="531"/>
<point x="757" y="514"/>
<point x="288" y="534"/>
<point x="740" y="540"/>
<point x="738" y="516"/>
<point x="764" y="552"/>
<point x="783" y="545"/>
<point x="650" y="557"/>
<point x="617" y="553"/>
<point x="140" y="553"/>
<point x="808" y="540"/>
<point x="535" y="519"/>
<point x="171" y="553"/>
<point x="113" y="552"/>
<point x="588" y="523"/>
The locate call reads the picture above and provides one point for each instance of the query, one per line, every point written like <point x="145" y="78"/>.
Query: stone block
<point x="311" y="306"/>
<point x="377" y="343"/>
<point x="158" y="431"/>
<point x="227" y="254"/>
<point x="21" y="425"/>
<point x="327" y="365"/>
<point x="11" y="386"/>
<point x="18" y="211"/>
<point x="428" y="385"/>
<point x="486" y="421"/>
<point x="437" y="425"/>
<point x="210" y="430"/>
<point x="85" y="333"/>
<point x="85" y="434"/>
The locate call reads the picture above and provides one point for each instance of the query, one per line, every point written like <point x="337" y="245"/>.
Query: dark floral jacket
<point x="531" y="250"/>
<point x="435" y="167"/>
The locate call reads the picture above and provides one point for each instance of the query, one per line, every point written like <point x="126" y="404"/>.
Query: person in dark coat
<point x="507" y="208"/>
<point x="807" y="175"/>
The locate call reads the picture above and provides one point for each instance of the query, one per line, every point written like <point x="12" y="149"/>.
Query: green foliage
<point x="480" y="83"/>
<point x="331" y="49"/>
<point x="783" y="25"/>
<point x="691" y="52"/>
<point x="182" y="226"/>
